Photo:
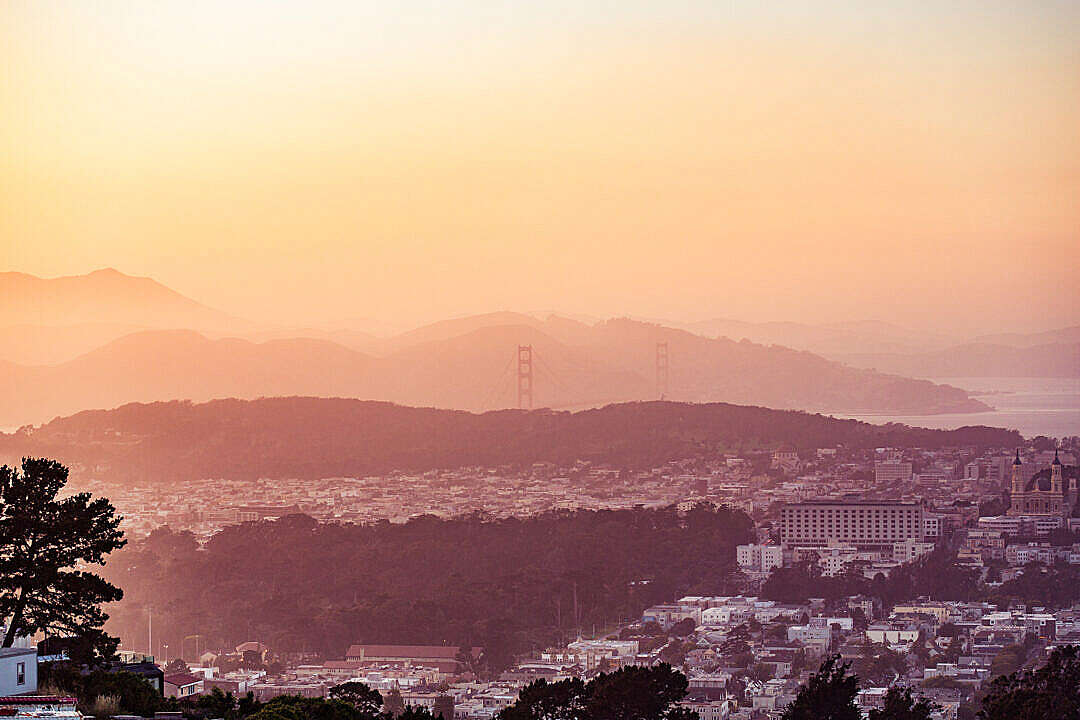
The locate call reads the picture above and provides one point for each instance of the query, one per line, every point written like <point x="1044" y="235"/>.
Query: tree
<point x="1050" y="693"/>
<point x="416" y="713"/>
<point x="176" y="665"/>
<point x="640" y="693"/>
<point x="541" y="700"/>
<point x="393" y="703"/>
<point x="901" y="705"/>
<point x="294" y="707"/>
<point x="42" y="541"/>
<point x="683" y="628"/>
<point x="216" y="704"/>
<point x="1007" y="660"/>
<point x="829" y="695"/>
<point x="135" y="694"/>
<point x="444" y="707"/>
<point x="878" y="664"/>
<point x="359" y="695"/>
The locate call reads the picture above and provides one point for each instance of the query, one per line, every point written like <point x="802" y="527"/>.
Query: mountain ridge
<point x="610" y="362"/>
<point x="304" y="437"/>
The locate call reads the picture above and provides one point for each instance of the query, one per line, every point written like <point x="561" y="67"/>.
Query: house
<point x="39" y="706"/>
<point x="145" y="668"/>
<point x="18" y="671"/>
<point x="443" y="657"/>
<point x="180" y="685"/>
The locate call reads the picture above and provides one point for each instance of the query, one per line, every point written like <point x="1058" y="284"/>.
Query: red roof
<point x="405" y="652"/>
<point x="180" y="679"/>
<point x="342" y="664"/>
<point x="37" y="700"/>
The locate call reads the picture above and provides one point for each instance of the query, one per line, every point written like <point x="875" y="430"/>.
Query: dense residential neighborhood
<point x="837" y="515"/>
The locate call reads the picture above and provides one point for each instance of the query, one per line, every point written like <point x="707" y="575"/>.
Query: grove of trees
<point x="508" y="585"/>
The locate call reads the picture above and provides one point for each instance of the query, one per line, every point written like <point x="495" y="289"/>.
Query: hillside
<point x="830" y="340"/>
<point x="103" y="297"/>
<point x="1050" y="337"/>
<point x="980" y="360"/>
<point x="312" y="437"/>
<point x="575" y="366"/>
<point x="710" y="370"/>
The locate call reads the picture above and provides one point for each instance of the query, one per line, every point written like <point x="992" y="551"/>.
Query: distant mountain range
<point x="574" y="366"/>
<point x="318" y="437"/>
<point x="104" y="339"/>
<point x="980" y="359"/>
<point x="105" y="298"/>
<point x="830" y="340"/>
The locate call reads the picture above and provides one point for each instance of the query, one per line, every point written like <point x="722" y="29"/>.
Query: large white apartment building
<point x="892" y="472"/>
<point x="865" y="525"/>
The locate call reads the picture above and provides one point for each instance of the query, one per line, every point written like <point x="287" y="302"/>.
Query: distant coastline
<point x="1034" y="406"/>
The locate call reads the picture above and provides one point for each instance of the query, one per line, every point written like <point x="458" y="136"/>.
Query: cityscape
<point x="503" y="360"/>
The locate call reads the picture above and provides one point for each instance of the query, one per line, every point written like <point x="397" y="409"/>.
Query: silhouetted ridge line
<point x="303" y="437"/>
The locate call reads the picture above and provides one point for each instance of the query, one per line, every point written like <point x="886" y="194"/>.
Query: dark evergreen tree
<point x="1051" y="692"/>
<point x="42" y="541"/>
<point x="900" y="704"/>
<point x="829" y="695"/>
<point x="360" y="696"/>
<point x="632" y="693"/>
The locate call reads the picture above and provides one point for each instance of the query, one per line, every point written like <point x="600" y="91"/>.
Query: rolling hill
<point x="103" y="297"/>
<point x="319" y="437"/>
<point x="575" y="366"/>
<point x="980" y="360"/>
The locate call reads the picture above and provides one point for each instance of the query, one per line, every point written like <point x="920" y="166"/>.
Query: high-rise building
<point x="866" y="525"/>
<point x="890" y="472"/>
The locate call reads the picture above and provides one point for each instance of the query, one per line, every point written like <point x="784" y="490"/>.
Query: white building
<point x="866" y="525"/>
<point x="892" y="472"/>
<point x="759" y="558"/>
<point x="908" y="550"/>
<point x="18" y="671"/>
<point x="890" y="635"/>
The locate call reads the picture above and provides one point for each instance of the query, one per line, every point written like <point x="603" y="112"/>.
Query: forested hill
<point x="509" y="585"/>
<point x="318" y="437"/>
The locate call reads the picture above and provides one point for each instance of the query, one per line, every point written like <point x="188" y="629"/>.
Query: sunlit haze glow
<point x="319" y="161"/>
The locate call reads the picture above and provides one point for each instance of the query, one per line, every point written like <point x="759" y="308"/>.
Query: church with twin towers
<point x="1050" y="491"/>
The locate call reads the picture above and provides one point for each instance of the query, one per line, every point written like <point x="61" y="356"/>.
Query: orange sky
<point x="317" y="161"/>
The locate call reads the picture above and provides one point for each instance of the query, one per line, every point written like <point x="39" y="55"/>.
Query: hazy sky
<point x="408" y="160"/>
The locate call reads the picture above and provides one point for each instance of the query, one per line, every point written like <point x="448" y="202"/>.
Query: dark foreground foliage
<point x="632" y="693"/>
<point x="1051" y="692"/>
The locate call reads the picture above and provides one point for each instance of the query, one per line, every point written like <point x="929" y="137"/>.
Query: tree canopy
<point x="829" y="695"/>
<point x="1052" y="692"/>
<point x="507" y="585"/>
<point x="45" y="544"/>
<point x="901" y="705"/>
<point x="631" y="693"/>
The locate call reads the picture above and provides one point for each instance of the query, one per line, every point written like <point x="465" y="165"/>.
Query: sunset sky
<point x="315" y="161"/>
